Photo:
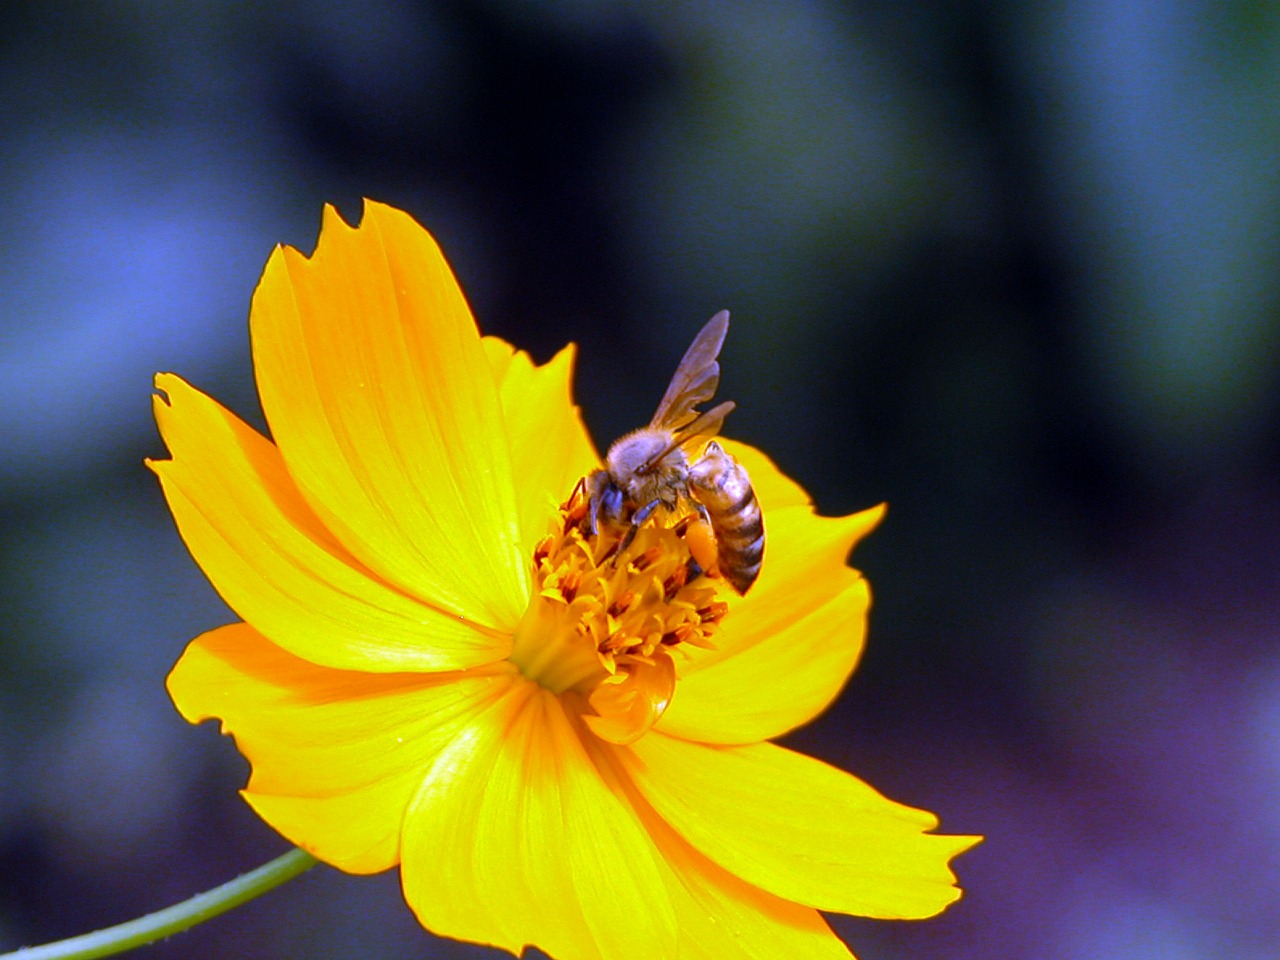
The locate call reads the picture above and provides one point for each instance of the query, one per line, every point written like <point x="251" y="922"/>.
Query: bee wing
<point x="696" y="378"/>
<point x="707" y="425"/>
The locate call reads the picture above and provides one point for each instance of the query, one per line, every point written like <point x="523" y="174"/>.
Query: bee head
<point x="639" y="453"/>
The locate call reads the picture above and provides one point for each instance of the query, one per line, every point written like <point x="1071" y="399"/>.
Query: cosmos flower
<point x="439" y="666"/>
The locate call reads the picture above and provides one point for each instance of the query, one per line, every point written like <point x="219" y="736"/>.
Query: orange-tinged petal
<point x="787" y="648"/>
<point x="337" y="755"/>
<point x="382" y="401"/>
<point x="550" y="447"/>
<point x="798" y="828"/>
<point x="515" y="838"/>
<point x="277" y="566"/>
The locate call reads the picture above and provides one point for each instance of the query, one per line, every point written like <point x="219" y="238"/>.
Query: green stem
<point x="175" y="919"/>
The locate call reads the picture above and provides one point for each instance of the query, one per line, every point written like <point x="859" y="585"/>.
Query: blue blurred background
<point x="1012" y="268"/>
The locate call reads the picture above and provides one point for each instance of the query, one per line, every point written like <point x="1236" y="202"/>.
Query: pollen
<point x="611" y="616"/>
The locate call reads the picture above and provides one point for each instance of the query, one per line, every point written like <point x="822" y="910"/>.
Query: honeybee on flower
<point x="559" y="738"/>
<point x="648" y="470"/>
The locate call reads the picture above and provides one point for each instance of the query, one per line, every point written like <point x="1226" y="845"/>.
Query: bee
<point x="648" y="469"/>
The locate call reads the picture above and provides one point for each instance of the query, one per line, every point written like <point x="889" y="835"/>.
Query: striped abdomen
<point x="722" y="486"/>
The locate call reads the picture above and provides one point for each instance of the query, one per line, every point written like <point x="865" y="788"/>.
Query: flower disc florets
<point x="610" y="612"/>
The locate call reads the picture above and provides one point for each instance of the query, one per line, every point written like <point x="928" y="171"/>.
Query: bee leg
<point x="638" y="518"/>
<point x="591" y="487"/>
<point x="602" y="498"/>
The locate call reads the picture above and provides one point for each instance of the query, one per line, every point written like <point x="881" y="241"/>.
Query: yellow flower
<point x="439" y="668"/>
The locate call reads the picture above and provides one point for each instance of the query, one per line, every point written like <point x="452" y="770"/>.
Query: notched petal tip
<point x="160" y="383"/>
<point x="161" y="406"/>
<point x="946" y="890"/>
<point x="331" y="220"/>
<point x="864" y="522"/>
<point x="183" y="687"/>
<point x="288" y="258"/>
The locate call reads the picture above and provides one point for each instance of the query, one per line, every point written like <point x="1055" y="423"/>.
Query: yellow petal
<point x="786" y="649"/>
<point x="770" y="688"/>
<point x="550" y="447"/>
<point x="277" y="566"/>
<point x="724" y="918"/>
<point x="381" y="399"/>
<point x="516" y="839"/>
<point x="798" y="828"/>
<point x="720" y="916"/>
<point x="337" y="755"/>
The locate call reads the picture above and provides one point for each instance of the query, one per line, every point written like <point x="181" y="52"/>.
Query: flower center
<point x="607" y="618"/>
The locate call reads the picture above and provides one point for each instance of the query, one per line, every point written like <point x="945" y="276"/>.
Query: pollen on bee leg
<point x="606" y="623"/>
<point x="701" y="540"/>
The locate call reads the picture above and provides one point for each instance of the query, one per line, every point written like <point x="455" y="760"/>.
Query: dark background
<point x="1013" y="270"/>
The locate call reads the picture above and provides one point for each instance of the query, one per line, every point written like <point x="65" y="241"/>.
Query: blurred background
<point x="1012" y="268"/>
